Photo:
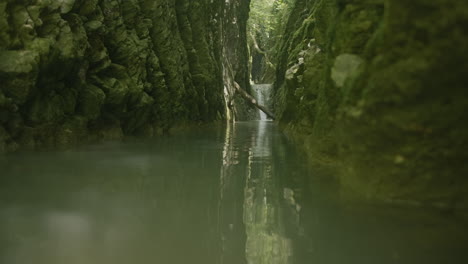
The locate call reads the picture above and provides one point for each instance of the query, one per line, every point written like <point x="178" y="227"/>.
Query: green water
<point x="236" y="194"/>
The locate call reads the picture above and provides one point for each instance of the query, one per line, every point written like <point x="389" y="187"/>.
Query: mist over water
<point x="229" y="194"/>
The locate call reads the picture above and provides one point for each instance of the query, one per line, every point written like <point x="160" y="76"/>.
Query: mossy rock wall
<point x="377" y="90"/>
<point x="79" y="70"/>
<point x="235" y="59"/>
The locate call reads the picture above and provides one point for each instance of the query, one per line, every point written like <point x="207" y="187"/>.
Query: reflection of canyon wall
<point x="115" y="204"/>
<point x="232" y="179"/>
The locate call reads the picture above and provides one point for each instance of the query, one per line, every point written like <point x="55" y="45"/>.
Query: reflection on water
<point x="266" y="242"/>
<point x="231" y="195"/>
<point x="135" y="202"/>
<point x="253" y="231"/>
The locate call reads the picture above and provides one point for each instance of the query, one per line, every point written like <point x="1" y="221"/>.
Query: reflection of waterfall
<point x="266" y="243"/>
<point x="262" y="94"/>
<point x="251" y="221"/>
<point x="261" y="146"/>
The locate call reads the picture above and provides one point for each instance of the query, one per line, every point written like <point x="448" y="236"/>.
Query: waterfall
<point x="262" y="94"/>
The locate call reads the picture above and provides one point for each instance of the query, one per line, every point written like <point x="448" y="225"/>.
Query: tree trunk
<point x="252" y="100"/>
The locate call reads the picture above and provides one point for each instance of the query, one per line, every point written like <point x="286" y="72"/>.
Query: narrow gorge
<point x="233" y="131"/>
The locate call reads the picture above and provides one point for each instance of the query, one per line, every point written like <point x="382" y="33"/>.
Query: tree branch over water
<point x="253" y="101"/>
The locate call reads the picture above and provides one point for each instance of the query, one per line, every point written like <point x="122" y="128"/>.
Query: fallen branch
<point x="252" y="100"/>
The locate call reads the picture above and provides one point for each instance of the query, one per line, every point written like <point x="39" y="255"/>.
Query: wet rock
<point x="66" y="5"/>
<point x="345" y="66"/>
<point x="19" y="70"/>
<point x="129" y="64"/>
<point x="4" y="136"/>
<point x="385" y="96"/>
<point x="90" y="100"/>
<point x="93" y="25"/>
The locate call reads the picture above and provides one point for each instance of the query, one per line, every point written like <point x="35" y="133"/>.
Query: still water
<point x="236" y="194"/>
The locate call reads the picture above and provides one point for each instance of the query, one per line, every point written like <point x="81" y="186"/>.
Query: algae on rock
<point x="379" y="87"/>
<point x="120" y="67"/>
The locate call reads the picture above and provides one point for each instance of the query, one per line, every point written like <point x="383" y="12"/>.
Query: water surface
<point x="235" y="194"/>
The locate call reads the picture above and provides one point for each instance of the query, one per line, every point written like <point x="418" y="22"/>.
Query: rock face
<point x="80" y="70"/>
<point x="235" y="59"/>
<point x="380" y="87"/>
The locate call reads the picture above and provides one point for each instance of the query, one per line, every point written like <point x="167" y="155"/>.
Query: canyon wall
<point x="376" y="91"/>
<point x="235" y="59"/>
<point x="80" y="70"/>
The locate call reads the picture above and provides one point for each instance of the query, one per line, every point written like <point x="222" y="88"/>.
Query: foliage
<point x="266" y="19"/>
<point x="265" y="27"/>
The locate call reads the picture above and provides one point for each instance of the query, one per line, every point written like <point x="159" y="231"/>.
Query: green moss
<point x="71" y="133"/>
<point x="125" y="67"/>
<point x="90" y="101"/>
<point x="4" y="136"/>
<point x="396" y="120"/>
<point x="47" y="109"/>
<point x="4" y="37"/>
<point x="18" y="73"/>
